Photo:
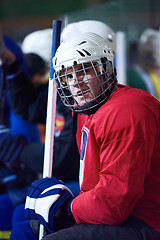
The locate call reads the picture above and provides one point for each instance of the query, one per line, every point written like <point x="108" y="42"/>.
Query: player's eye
<point x="69" y="77"/>
<point x="63" y="80"/>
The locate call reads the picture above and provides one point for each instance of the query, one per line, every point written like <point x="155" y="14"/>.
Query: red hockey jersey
<point x="120" y="160"/>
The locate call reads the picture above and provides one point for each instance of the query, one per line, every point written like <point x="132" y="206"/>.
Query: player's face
<point x="83" y="84"/>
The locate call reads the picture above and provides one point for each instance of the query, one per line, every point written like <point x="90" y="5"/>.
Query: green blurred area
<point x="20" y="17"/>
<point x="30" y="8"/>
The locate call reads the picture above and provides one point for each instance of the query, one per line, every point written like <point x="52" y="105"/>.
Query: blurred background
<point x="20" y="17"/>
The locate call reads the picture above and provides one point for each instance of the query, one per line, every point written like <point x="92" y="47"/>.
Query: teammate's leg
<point x="22" y="231"/>
<point x="18" y="214"/>
<point x="6" y="212"/>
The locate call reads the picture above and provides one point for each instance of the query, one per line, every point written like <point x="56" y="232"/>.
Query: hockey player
<point x="119" y="131"/>
<point x="145" y="72"/>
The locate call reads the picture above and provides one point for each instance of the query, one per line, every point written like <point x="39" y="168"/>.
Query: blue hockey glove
<point x="44" y="200"/>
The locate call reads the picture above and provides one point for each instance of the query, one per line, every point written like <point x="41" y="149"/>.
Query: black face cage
<point x="103" y="72"/>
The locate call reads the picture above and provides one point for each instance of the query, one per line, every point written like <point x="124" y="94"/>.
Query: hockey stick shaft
<point x="51" y="107"/>
<point x="51" y="111"/>
<point x="121" y="57"/>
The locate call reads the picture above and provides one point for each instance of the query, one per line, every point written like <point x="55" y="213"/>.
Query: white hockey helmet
<point x="40" y="43"/>
<point x="90" y="51"/>
<point x="149" y="46"/>
<point x="98" y="27"/>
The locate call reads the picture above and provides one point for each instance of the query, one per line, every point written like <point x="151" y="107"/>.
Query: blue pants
<point x="18" y="215"/>
<point x="9" y="214"/>
<point x="6" y="212"/>
<point x="22" y="231"/>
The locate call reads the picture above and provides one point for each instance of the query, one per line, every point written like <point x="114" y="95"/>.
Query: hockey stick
<point x="121" y="57"/>
<point x="51" y="112"/>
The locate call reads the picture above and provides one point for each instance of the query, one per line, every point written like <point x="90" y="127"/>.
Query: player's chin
<point x="83" y="101"/>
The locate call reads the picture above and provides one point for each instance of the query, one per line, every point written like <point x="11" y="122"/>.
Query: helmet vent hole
<point x="82" y="42"/>
<point x="82" y="54"/>
<point x="87" y="52"/>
